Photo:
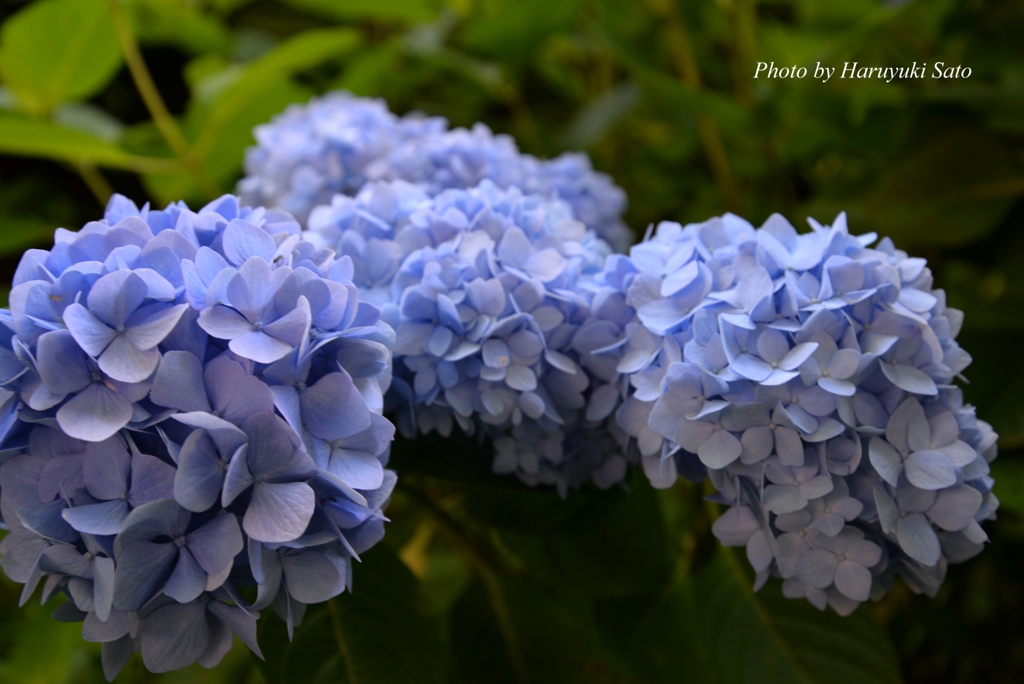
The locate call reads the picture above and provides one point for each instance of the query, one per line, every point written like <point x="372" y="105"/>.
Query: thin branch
<point x="339" y="638"/>
<point x="96" y="182"/>
<point x="742" y="17"/>
<point x="165" y="123"/>
<point x="486" y="567"/>
<point x="707" y="129"/>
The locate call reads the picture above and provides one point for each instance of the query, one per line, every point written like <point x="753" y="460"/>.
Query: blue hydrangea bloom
<point x="810" y="376"/>
<point x="337" y="143"/>
<point x="192" y="403"/>
<point x="486" y="290"/>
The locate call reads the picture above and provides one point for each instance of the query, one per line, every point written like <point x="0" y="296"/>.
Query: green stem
<point x="97" y="184"/>
<point x="707" y="129"/>
<point x="165" y="123"/>
<point x="339" y="637"/>
<point x="486" y="567"/>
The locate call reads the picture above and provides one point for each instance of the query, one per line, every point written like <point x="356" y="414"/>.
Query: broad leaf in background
<point x="306" y="50"/>
<point x="375" y="635"/>
<point x="541" y="635"/>
<point x="1009" y="475"/>
<point x="375" y="10"/>
<point x="33" y="137"/>
<point x="58" y="50"/>
<point x="946" y="192"/>
<point x="514" y="31"/>
<point x="22" y="232"/>
<point x="715" y="629"/>
<point x="179" y="22"/>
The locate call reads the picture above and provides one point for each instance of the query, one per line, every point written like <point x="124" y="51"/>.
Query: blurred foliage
<point x="479" y="579"/>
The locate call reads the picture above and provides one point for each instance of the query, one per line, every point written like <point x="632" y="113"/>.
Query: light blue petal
<point x="187" y="580"/>
<point x="95" y="414"/>
<point x="279" y="512"/>
<point x="930" y="470"/>
<point x="918" y="540"/>
<point x="102" y="518"/>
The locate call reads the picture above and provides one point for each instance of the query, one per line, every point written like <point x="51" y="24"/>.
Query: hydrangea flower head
<point x="338" y="142"/>
<point x="485" y="289"/>
<point x="182" y="388"/>
<point x="811" y="377"/>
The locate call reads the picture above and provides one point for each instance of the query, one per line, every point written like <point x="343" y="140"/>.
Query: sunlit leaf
<point x="37" y="138"/>
<point x="58" y="50"/>
<point x="178" y="22"/>
<point x="390" y="11"/>
<point x="306" y="50"/>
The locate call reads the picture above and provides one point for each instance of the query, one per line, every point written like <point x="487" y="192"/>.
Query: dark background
<point x="478" y="578"/>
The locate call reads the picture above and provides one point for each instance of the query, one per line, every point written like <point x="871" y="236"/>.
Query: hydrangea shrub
<point x="811" y="377"/>
<point x="338" y="142"/>
<point x="192" y="402"/>
<point x="192" y="405"/>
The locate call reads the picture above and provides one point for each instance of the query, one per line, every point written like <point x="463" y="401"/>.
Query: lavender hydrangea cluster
<point x="494" y="328"/>
<point x="337" y="143"/>
<point x="810" y="376"/>
<point x="191" y="405"/>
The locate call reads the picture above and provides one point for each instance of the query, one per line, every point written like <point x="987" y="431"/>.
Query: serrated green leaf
<point x="58" y="50"/>
<point x="37" y="138"/>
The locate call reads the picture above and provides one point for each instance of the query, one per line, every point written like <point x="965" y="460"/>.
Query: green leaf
<point x="943" y="193"/>
<point x="375" y="635"/>
<point x="306" y="50"/>
<point x="406" y="11"/>
<point x="17" y="233"/>
<point x="717" y="630"/>
<point x="604" y="547"/>
<point x="58" y="50"/>
<point x="178" y="22"/>
<point x="223" y="158"/>
<point x="593" y="121"/>
<point x="514" y="30"/>
<point x="1008" y="472"/>
<point x="36" y="138"/>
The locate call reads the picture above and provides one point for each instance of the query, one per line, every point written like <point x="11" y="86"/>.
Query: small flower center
<point x="180" y="541"/>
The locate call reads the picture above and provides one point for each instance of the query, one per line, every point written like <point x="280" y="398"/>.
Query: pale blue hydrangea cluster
<point x="494" y="327"/>
<point x="810" y="376"/>
<point x="338" y="142"/>
<point x="191" y="405"/>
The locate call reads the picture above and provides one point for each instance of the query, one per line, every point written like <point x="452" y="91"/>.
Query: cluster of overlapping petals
<point x="191" y="406"/>
<point x="811" y="377"/>
<point x="494" y="326"/>
<point x="339" y="142"/>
